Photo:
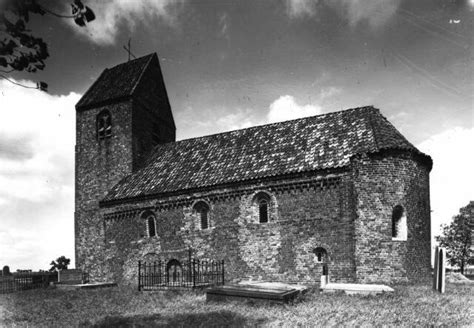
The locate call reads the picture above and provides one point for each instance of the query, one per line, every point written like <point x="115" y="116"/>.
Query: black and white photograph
<point x="236" y="163"/>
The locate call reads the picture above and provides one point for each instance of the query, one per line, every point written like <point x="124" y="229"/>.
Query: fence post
<point x="139" y="274"/>
<point x="160" y="280"/>
<point x="194" y="273"/>
<point x="223" y="272"/>
<point x="154" y="273"/>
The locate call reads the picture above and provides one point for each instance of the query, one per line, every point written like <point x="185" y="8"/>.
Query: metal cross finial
<point x="129" y="50"/>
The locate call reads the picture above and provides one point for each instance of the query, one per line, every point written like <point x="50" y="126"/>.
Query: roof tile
<point x="115" y="83"/>
<point x="307" y="144"/>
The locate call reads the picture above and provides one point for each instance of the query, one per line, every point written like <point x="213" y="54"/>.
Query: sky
<point x="231" y="64"/>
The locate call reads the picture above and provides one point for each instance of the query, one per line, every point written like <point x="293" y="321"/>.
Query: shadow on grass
<point x="209" y="319"/>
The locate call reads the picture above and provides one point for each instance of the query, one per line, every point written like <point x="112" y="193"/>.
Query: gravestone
<point x="439" y="272"/>
<point x="6" y="271"/>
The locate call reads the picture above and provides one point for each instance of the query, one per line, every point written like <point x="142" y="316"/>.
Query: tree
<point x="61" y="263"/>
<point x="457" y="238"/>
<point x="19" y="49"/>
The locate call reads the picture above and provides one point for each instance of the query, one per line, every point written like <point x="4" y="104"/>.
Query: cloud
<point x="329" y="92"/>
<point x="224" y="25"/>
<point x="15" y="148"/>
<point x="193" y="122"/>
<point x="112" y="15"/>
<point x="452" y="174"/>
<point x="299" y="8"/>
<point x="285" y="108"/>
<point x="374" y="12"/>
<point x="36" y="176"/>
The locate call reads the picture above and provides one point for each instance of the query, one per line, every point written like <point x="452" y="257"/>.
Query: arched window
<point x="151" y="223"/>
<point x="104" y="125"/>
<point x="399" y="223"/>
<point x="321" y="254"/>
<point x="202" y="210"/>
<point x="262" y="201"/>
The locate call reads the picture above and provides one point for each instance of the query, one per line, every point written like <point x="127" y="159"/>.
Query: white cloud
<point x="193" y="122"/>
<point x="452" y="174"/>
<point x="111" y="15"/>
<point x="224" y="25"/>
<point x="298" y="8"/>
<point x="36" y="176"/>
<point x="329" y="92"/>
<point x="375" y="12"/>
<point x="285" y="108"/>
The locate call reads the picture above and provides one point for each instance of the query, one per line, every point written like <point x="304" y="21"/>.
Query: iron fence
<point x="170" y="274"/>
<point x="26" y="280"/>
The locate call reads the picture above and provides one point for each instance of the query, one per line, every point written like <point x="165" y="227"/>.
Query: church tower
<point x="119" y="120"/>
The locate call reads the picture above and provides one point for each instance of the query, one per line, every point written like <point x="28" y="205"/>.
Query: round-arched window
<point x="399" y="223"/>
<point x="202" y="210"/>
<point x="320" y="254"/>
<point x="150" y="220"/>
<point x="262" y="201"/>
<point x="104" y="125"/>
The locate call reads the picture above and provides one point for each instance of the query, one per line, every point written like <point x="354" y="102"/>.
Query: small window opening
<point x="104" y="125"/>
<point x="263" y="210"/>
<point x="262" y="204"/>
<point x="202" y="210"/>
<point x="321" y="254"/>
<point x="399" y="223"/>
<point x="151" y="226"/>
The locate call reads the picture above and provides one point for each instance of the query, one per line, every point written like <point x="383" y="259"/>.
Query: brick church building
<point x="276" y="202"/>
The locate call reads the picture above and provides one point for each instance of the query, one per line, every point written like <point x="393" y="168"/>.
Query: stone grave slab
<point x="364" y="289"/>
<point x="94" y="285"/>
<point x="250" y="293"/>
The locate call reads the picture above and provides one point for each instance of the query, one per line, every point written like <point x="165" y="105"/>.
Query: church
<point x="345" y="190"/>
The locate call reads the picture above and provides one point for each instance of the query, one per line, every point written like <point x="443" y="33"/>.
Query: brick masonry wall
<point x="380" y="183"/>
<point x="152" y="117"/>
<point x="300" y="219"/>
<point x="99" y="165"/>
<point x="148" y="130"/>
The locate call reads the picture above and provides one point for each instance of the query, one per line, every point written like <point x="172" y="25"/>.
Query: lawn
<point x="412" y="305"/>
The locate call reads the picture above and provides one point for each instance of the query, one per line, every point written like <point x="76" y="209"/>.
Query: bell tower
<point x="119" y="120"/>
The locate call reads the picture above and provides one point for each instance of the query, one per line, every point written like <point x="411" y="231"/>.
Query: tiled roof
<point x="313" y="143"/>
<point x="114" y="83"/>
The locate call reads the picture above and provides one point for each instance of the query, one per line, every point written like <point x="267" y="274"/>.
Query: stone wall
<point x="99" y="165"/>
<point x="382" y="181"/>
<point x="304" y="214"/>
<point x="102" y="163"/>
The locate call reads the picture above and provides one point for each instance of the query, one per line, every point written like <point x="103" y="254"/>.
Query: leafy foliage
<point x="457" y="239"/>
<point x="61" y="263"/>
<point x="19" y="49"/>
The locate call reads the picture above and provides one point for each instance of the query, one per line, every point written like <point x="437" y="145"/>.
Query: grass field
<point x="125" y="307"/>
